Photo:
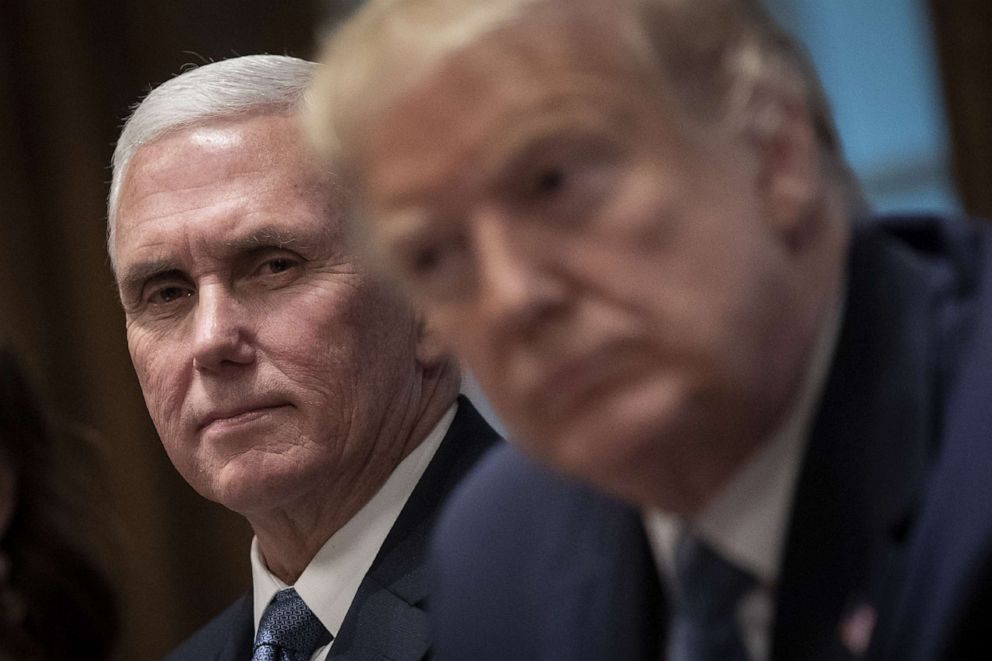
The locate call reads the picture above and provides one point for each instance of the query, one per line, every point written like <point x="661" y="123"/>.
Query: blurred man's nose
<point x="519" y="285"/>
<point x="222" y="331"/>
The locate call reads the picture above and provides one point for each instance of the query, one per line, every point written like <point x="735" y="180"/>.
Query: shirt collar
<point x="746" y="522"/>
<point x="329" y="583"/>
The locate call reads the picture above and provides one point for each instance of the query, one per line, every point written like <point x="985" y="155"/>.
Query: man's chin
<point x="253" y="492"/>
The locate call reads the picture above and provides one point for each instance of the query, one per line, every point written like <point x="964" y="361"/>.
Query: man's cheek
<point x="162" y="392"/>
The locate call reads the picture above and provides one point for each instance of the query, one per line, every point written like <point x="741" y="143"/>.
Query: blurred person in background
<point x="56" y="600"/>
<point x="285" y="382"/>
<point x="634" y="223"/>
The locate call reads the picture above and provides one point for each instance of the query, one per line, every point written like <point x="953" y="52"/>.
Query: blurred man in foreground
<point x="634" y="223"/>
<point x="285" y="383"/>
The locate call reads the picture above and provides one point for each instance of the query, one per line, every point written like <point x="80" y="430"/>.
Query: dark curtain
<point x="69" y="70"/>
<point x="964" y="41"/>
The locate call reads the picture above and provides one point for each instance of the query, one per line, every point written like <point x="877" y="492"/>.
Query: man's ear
<point x="790" y="171"/>
<point x="431" y="350"/>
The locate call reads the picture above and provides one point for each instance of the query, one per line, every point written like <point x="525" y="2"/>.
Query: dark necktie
<point x="704" y="627"/>
<point x="288" y="630"/>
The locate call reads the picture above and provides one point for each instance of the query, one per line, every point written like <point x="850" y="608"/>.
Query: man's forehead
<point x="201" y="157"/>
<point x="233" y="179"/>
<point x="247" y="142"/>
<point x="217" y="137"/>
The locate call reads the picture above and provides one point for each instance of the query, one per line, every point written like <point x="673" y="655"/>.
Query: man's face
<point x="608" y="275"/>
<point x="271" y="364"/>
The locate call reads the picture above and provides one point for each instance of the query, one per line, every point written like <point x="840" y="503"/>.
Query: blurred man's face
<point x="608" y="277"/>
<point x="270" y="363"/>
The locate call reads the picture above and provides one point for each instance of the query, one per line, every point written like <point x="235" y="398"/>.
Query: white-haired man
<point x="285" y="383"/>
<point x="633" y="222"/>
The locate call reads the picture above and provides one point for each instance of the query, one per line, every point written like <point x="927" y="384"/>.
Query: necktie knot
<point x="288" y="630"/>
<point x="709" y="586"/>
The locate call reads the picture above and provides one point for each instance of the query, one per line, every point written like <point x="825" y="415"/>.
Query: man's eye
<point x="166" y="295"/>
<point x="277" y="265"/>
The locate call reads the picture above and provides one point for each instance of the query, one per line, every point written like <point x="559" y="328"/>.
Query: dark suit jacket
<point x="944" y="608"/>
<point x="387" y="620"/>
<point x="530" y="565"/>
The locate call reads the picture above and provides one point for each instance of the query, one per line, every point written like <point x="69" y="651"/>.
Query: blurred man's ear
<point x="431" y="350"/>
<point x="790" y="176"/>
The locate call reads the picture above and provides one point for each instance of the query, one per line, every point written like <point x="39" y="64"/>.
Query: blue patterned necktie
<point x="704" y="627"/>
<point x="288" y="630"/>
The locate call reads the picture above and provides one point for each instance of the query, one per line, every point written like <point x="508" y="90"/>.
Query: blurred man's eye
<point x="439" y="267"/>
<point x="570" y="192"/>
<point x="549" y="180"/>
<point x="428" y="260"/>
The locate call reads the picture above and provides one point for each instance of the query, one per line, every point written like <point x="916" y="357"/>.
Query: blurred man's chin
<point x="609" y="444"/>
<point x="609" y="460"/>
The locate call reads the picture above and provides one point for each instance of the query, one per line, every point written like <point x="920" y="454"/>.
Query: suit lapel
<point x="238" y="645"/>
<point x="867" y="454"/>
<point x="387" y="620"/>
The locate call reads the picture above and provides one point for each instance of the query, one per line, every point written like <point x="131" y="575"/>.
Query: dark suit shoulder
<point x="945" y="598"/>
<point x="524" y="558"/>
<point x="509" y="493"/>
<point x="954" y="248"/>
<point x="231" y="629"/>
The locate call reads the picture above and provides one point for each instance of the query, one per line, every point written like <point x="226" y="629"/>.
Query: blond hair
<point x="721" y="58"/>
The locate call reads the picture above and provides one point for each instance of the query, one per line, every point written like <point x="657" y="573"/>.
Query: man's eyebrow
<point x="272" y="237"/>
<point x="136" y="274"/>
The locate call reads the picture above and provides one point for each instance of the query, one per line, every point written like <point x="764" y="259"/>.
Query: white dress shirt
<point x="329" y="583"/>
<point x="746" y="521"/>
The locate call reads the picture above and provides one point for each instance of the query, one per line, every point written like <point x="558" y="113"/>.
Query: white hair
<point x="240" y="86"/>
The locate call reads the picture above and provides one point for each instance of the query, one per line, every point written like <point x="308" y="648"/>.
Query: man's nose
<point x="520" y="284"/>
<point x="223" y="331"/>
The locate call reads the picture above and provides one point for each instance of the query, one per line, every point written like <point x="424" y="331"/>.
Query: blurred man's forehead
<point x="488" y="94"/>
<point x="556" y="38"/>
